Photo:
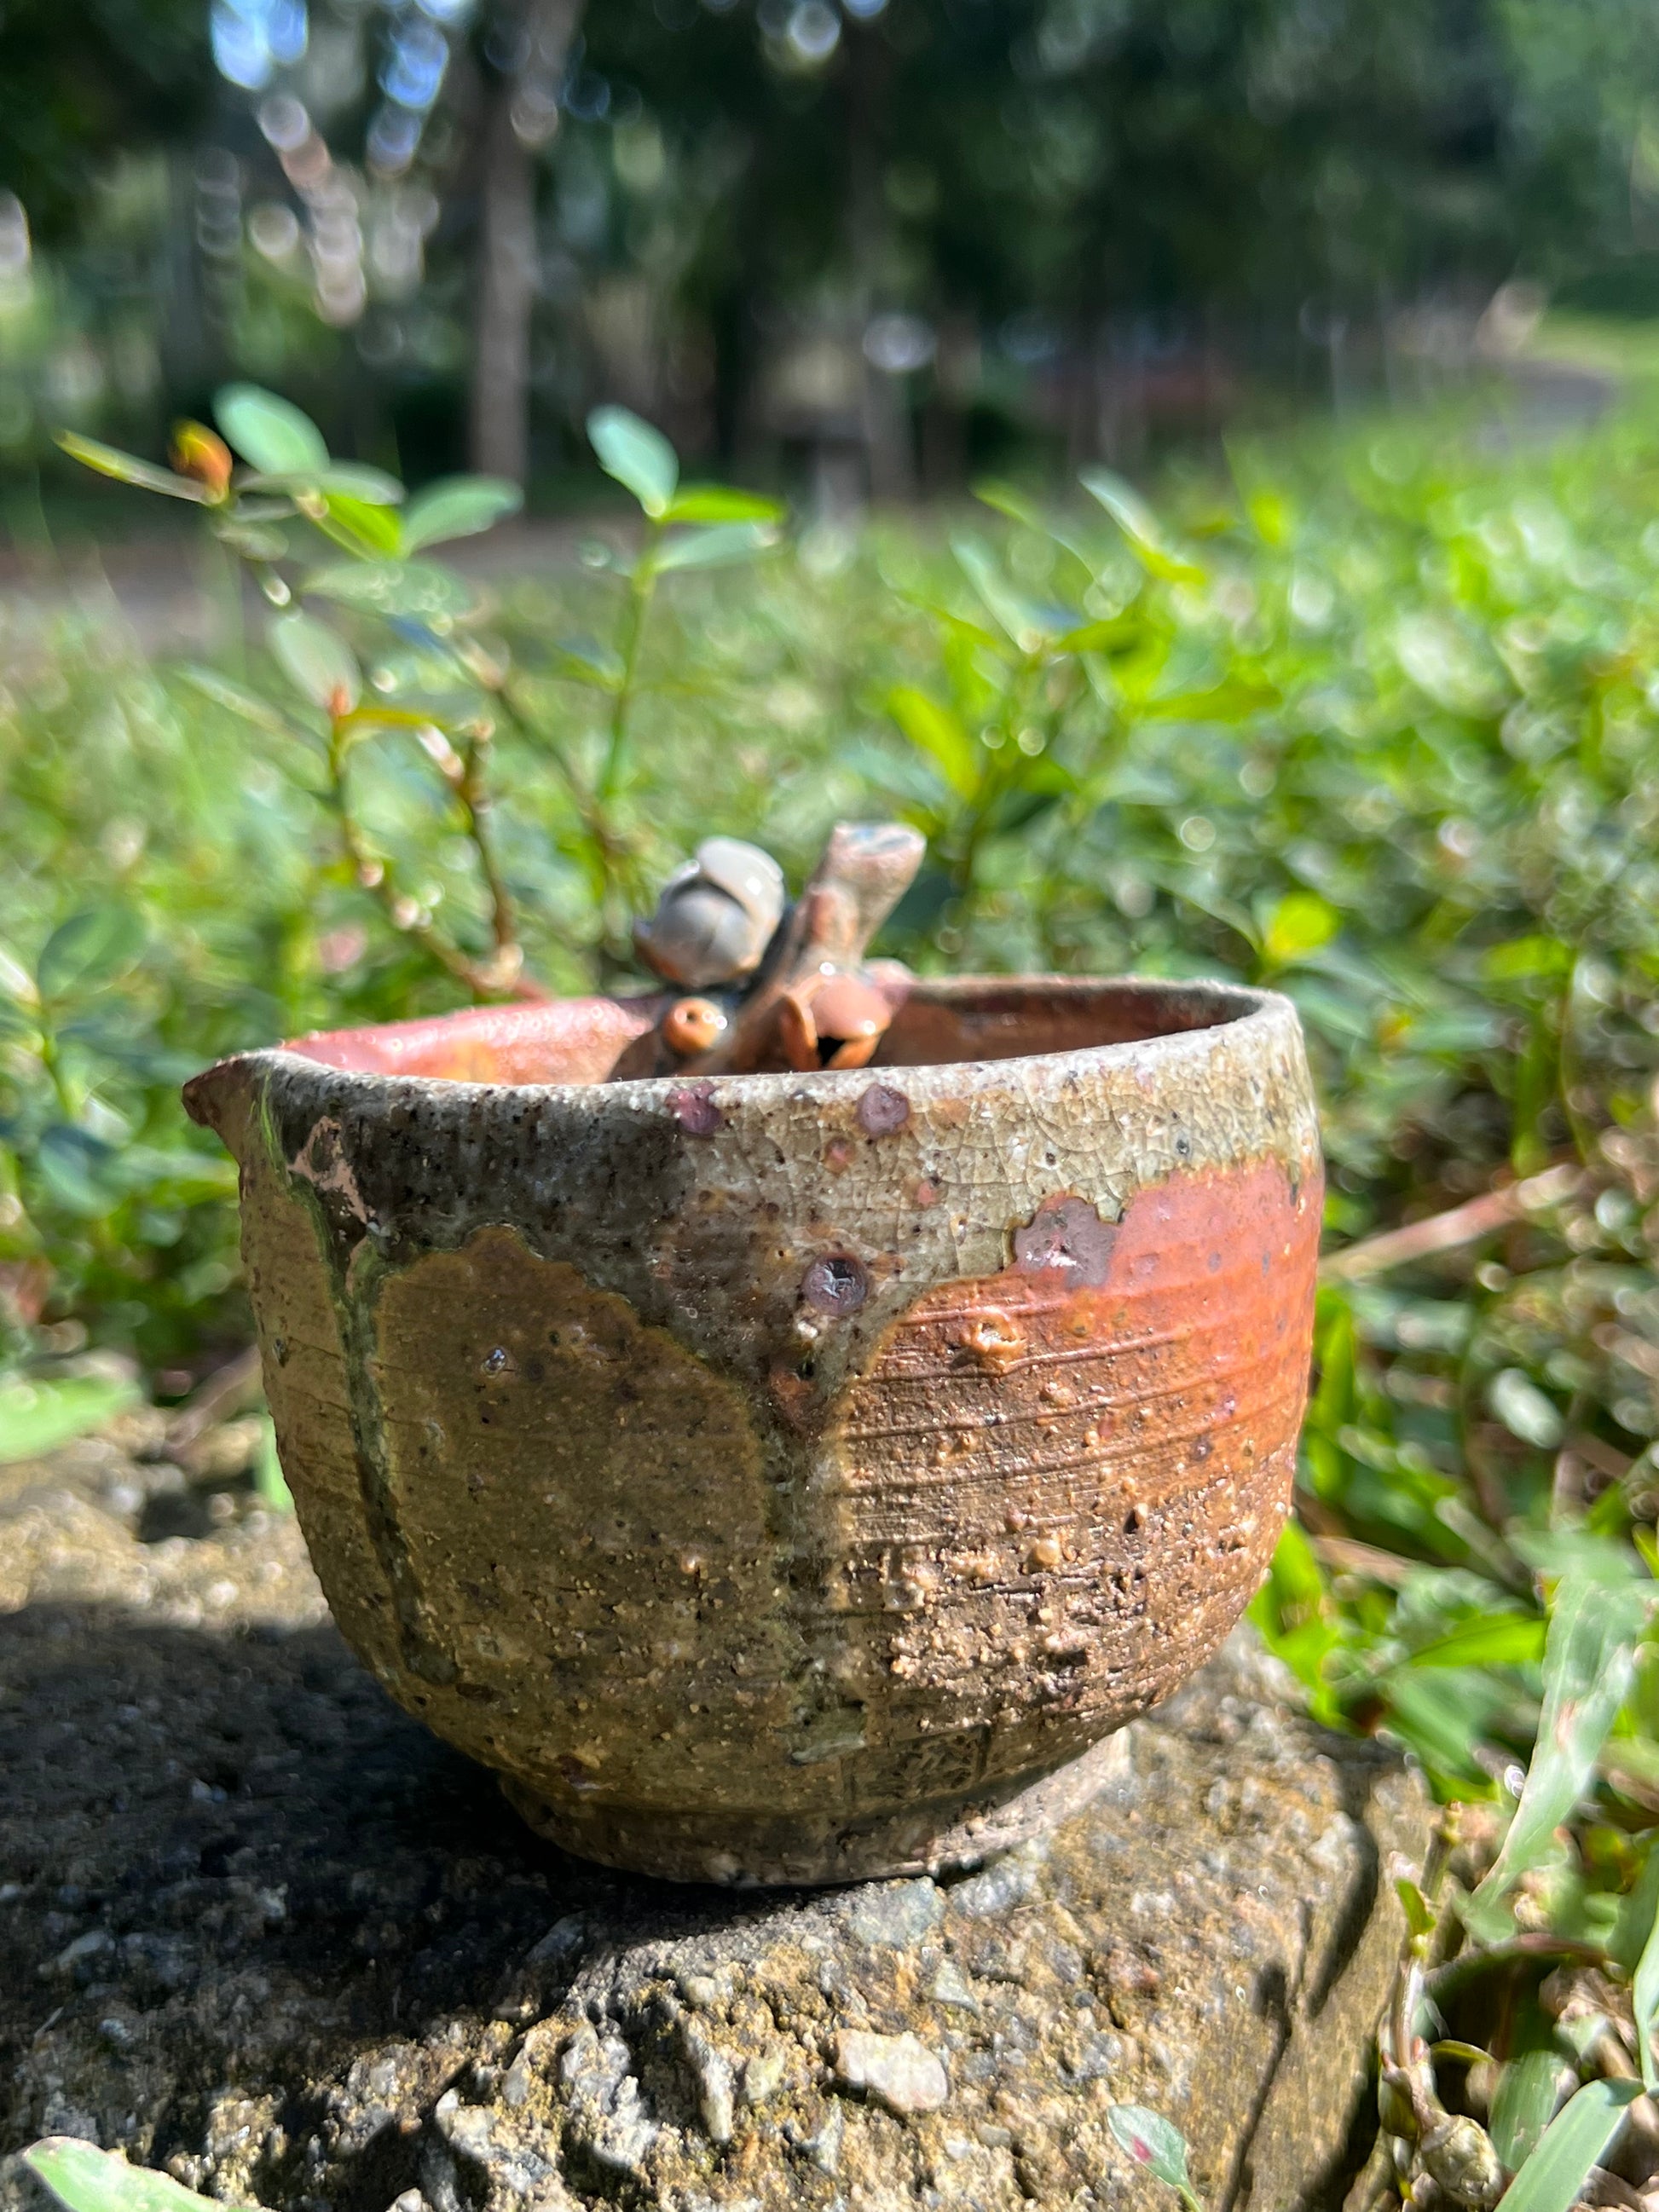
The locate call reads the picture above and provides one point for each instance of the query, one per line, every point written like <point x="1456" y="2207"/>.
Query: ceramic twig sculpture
<point x="809" y="999"/>
<point x="788" y="1475"/>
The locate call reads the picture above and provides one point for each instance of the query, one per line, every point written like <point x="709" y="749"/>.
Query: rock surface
<point x="257" y="1928"/>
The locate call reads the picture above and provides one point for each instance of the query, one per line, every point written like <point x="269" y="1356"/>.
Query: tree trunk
<point x="519" y="110"/>
<point x="889" y="439"/>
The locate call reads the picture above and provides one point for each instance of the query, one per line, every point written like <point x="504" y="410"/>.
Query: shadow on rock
<point x="259" y="1927"/>
<point x="232" y="1855"/>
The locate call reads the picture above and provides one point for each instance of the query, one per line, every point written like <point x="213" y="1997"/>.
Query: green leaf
<point x="1095" y="636"/>
<point x="1298" y="924"/>
<point x="339" y="479"/>
<point x="253" y="541"/>
<point x="354" y="481"/>
<point x="373" y="529"/>
<point x="579" y="660"/>
<point x="88" y="950"/>
<point x="1574" y="2141"/>
<point x="185" y="1175"/>
<point x="16" y="981"/>
<point x="1443" y="1715"/>
<point x="1271" y="515"/>
<point x="1152" y="2142"/>
<point x="1233" y="700"/>
<point x="935" y="731"/>
<point x="1524" y="2103"/>
<point x="1452" y="2047"/>
<point x="37" y="1417"/>
<point x="270" y="434"/>
<point x="1042" y="784"/>
<point x="317" y="661"/>
<point x="1293" y="1613"/>
<point x="1644" y="2004"/>
<point x="126" y="468"/>
<point x="268" y="1477"/>
<point x="1554" y="1554"/>
<point x="1505" y="1639"/>
<point x="1008" y="499"/>
<point x="1027" y="623"/>
<point x="715" y="547"/>
<point x="1524" y="1410"/>
<point x="636" y="456"/>
<point x="1523" y="957"/>
<point x="1139" y="527"/>
<point x="1420" y="1914"/>
<point x="458" y="506"/>
<point x="1589" y="1662"/>
<point x="237" y="701"/>
<point x="958" y="629"/>
<point x="1629" y="1936"/>
<point x="86" y="2180"/>
<point x="376" y="713"/>
<point x="721" y="503"/>
<point x="411" y="591"/>
<point x="79" y="1171"/>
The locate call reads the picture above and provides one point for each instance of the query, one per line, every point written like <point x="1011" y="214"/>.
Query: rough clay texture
<point x="777" y="1477"/>
<point x="259" y="1927"/>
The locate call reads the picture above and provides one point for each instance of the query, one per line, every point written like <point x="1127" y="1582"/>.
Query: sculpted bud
<point x="832" y="1021"/>
<point x="715" y="917"/>
<point x="692" y="1025"/>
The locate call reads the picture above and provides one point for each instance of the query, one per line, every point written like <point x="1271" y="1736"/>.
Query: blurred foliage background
<point x="848" y="245"/>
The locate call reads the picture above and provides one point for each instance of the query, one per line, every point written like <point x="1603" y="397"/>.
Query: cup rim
<point x="1241" y="1011"/>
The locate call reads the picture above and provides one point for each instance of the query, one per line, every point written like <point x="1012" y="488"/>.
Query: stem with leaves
<point x="609" y="845"/>
<point x="473" y="792"/>
<point x="291" y="481"/>
<point x="642" y="587"/>
<point x="1156" y="2146"/>
<point x="724" y="525"/>
<point x="484" y="978"/>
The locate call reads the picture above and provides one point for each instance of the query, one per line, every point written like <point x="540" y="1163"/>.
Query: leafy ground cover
<point x="1374" y="718"/>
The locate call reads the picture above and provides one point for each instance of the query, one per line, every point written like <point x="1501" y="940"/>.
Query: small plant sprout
<point x="686" y="526"/>
<point x="289" y="483"/>
<point x="1157" y="2145"/>
<point x="377" y="640"/>
<point x="84" y="2178"/>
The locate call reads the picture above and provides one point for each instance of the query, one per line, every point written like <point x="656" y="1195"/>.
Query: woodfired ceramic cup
<point x="788" y="1477"/>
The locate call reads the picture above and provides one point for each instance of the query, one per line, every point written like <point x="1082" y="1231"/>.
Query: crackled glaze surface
<point x="789" y="1477"/>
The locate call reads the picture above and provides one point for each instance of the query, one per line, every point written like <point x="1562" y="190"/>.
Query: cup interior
<point x="937" y="1022"/>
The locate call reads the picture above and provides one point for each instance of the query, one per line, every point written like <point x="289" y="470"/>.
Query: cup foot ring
<point x="743" y="1850"/>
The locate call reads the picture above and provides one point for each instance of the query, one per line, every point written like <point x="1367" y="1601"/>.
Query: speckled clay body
<point x="788" y="1477"/>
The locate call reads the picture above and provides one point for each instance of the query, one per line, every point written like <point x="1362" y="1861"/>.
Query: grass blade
<point x="1573" y="2142"/>
<point x="1644" y="2004"/>
<point x="36" y="1418"/>
<point x="1525" y="2104"/>
<point x="86" y="2180"/>
<point x="1589" y="1660"/>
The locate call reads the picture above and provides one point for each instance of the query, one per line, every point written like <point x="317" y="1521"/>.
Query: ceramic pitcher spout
<point x="219" y="1098"/>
